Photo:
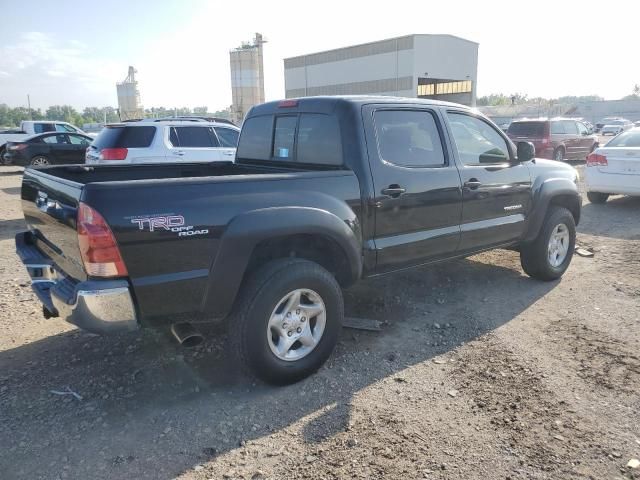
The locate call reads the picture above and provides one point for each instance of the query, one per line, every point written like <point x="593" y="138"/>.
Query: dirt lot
<point x="479" y="372"/>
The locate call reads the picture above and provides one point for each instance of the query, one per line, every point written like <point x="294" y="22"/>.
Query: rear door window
<point x="284" y="137"/>
<point x="570" y="127"/>
<point x="56" y="139"/>
<point x="527" y="129"/>
<point x="44" y="127"/>
<point x="408" y="138"/>
<point x="557" y="128"/>
<point x="125" y="137"/>
<point x="195" y="137"/>
<point x="227" y="136"/>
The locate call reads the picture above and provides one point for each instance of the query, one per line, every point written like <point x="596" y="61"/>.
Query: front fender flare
<point x="543" y="197"/>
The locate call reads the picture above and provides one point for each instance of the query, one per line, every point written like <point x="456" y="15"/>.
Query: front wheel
<point x="40" y="161"/>
<point x="287" y="320"/>
<point x="597" y="197"/>
<point x="550" y="254"/>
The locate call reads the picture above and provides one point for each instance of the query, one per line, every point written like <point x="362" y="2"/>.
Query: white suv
<point x="160" y="141"/>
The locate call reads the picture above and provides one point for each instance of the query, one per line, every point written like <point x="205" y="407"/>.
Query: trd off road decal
<point x="172" y="223"/>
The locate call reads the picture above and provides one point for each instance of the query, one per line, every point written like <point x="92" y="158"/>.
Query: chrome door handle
<point x="229" y="153"/>
<point x="393" y="191"/>
<point x="179" y="153"/>
<point x="472" y="184"/>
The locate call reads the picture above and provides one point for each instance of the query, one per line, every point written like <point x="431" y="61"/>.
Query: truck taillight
<point x="597" y="160"/>
<point x="114" y="153"/>
<point x="98" y="246"/>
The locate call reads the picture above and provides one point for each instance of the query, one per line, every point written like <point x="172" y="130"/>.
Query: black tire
<point x="558" y="154"/>
<point x="534" y="257"/>
<point x="260" y="295"/>
<point x="597" y="197"/>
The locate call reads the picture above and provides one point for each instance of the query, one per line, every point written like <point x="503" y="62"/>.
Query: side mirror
<point x="526" y="151"/>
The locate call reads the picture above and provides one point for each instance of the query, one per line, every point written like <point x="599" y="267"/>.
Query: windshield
<point x="626" y="139"/>
<point x="530" y="129"/>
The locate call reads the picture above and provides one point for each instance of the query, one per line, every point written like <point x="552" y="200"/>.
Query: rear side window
<point x="570" y="127"/>
<point x="528" y="129"/>
<point x="193" y="137"/>
<point x="557" y="128"/>
<point x="319" y="140"/>
<point x="408" y="138"/>
<point x="44" y="127"/>
<point x="55" y="139"/>
<point x="255" y="138"/>
<point x="227" y="136"/>
<point x="284" y="137"/>
<point x="125" y="137"/>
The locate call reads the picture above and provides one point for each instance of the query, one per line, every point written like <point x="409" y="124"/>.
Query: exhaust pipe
<point x="186" y="335"/>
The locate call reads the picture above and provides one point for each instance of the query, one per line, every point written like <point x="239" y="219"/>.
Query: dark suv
<point x="557" y="139"/>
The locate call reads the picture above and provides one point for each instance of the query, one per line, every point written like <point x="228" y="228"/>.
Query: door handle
<point x="393" y="191"/>
<point x="472" y="184"/>
<point x="179" y="153"/>
<point x="229" y="153"/>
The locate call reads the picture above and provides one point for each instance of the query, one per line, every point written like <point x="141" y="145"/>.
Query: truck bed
<point x="84" y="174"/>
<point x="208" y="199"/>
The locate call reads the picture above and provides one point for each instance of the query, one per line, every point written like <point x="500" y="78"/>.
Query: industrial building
<point x="442" y="67"/>
<point x="247" y="77"/>
<point x="129" y="104"/>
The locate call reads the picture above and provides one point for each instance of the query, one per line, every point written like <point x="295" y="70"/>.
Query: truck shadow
<point x="150" y="409"/>
<point x="619" y="217"/>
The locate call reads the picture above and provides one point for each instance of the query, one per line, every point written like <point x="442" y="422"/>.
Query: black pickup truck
<point x="324" y="191"/>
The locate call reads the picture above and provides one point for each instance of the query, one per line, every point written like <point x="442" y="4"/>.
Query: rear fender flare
<point x="246" y="231"/>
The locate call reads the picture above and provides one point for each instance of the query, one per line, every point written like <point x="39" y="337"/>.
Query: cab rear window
<point x="125" y="137"/>
<point x="310" y="138"/>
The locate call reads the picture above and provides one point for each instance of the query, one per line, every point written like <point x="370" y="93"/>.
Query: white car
<point x="160" y="141"/>
<point x="616" y="127"/>
<point x="614" y="168"/>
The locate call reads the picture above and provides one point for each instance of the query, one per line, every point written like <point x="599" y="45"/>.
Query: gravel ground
<point x="479" y="372"/>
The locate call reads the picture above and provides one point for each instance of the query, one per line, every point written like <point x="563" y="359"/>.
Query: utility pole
<point x="29" y="105"/>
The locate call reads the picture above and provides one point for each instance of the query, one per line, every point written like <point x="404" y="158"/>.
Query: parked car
<point x="557" y="139"/>
<point x="29" y="128"/>
<point x="605" y="121"/>
<point x="614" y="168"/>
<point x="48" y="149"/>
<point x="325" y="191"/>
<point x="616" y="127"/>
<point x="154" y="141"/>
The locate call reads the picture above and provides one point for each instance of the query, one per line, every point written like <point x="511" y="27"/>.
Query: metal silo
<point x="129" y="97"/>
<point x="247" y="77"/>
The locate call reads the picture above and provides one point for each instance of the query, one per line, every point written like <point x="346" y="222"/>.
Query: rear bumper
<point x="613" y="183"/>
<point x="99" y="306"/>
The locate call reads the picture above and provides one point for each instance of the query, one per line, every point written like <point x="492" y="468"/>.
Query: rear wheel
<point x="558" y="154"/>
<point x="550" y="254"/>
<point x="597" y="197"/>
<point x="40" y="161"/>
<point x="287" y="320"/>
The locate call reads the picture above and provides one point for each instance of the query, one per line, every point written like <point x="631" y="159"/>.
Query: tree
<point x="200" y="111"/>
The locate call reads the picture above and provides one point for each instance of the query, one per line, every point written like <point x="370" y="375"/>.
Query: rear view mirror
<point x="526" y="151"/>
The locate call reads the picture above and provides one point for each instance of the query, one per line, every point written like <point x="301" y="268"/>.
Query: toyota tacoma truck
<point x="325" y="191"/>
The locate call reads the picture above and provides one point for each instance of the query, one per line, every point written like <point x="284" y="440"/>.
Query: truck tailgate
<point x="50" y="205"/>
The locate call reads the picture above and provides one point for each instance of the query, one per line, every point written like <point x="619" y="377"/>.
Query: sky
<point x="73" y="52"/>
